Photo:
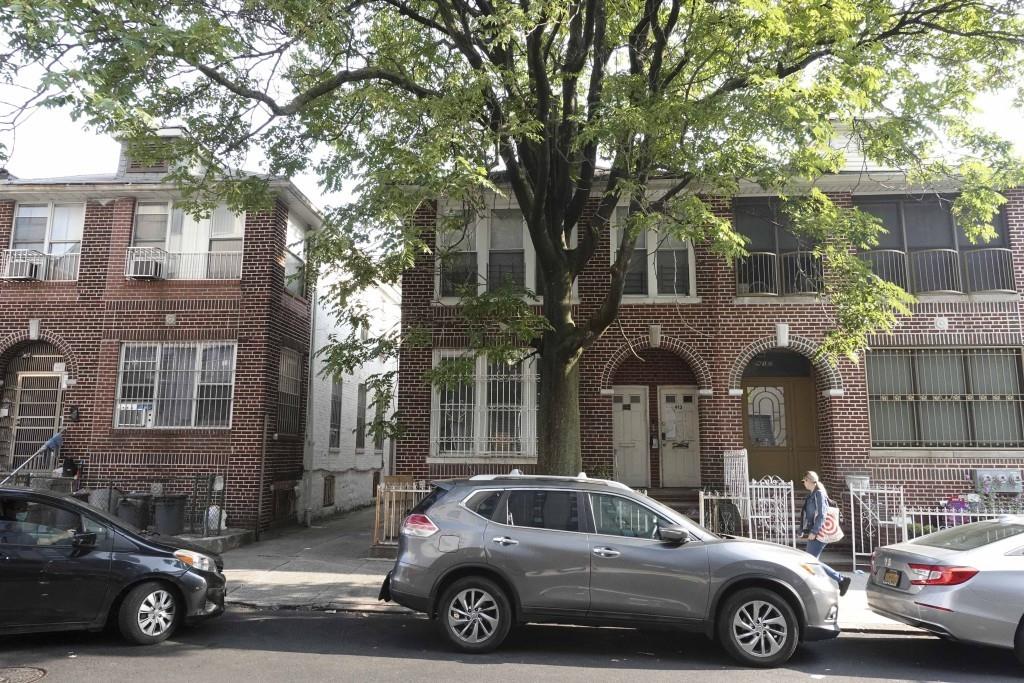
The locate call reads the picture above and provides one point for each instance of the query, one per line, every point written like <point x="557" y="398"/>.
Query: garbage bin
<point x="169" y="514"/>
<point x="134" y="509"/>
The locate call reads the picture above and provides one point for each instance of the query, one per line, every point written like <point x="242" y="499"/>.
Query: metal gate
<point x="772" y="511"/>
<point x="37" y="414"/>
<point x="877" y="517"/>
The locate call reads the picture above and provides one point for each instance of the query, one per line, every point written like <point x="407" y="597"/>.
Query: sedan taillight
<point x="419" y="526"/>
<point x="939" y="575"/>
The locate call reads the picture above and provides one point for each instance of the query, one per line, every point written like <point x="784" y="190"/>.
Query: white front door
<point x="629" y="434"/>
<point x="680" y="436"/>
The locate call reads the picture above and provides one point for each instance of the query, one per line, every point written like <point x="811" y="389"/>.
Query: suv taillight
<point x="938" y="575"/>
<point x="419" y="526"/>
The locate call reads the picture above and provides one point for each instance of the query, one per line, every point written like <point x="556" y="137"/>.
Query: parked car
<point x="964" y="583"/>
<point x="65" y="565"/>
<point x="483" y="554"/>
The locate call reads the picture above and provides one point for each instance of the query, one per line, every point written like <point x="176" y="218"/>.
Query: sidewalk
<point x="326" y="567"/>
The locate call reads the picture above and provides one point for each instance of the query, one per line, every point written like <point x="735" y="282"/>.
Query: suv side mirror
<point x="84" y="540"/>
<point x="674" y="534"/>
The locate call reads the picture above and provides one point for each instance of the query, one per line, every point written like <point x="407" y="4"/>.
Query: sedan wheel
<point x="149" y="613"/>
<point x="476" y="614"/>
<point x="758" y="628"/>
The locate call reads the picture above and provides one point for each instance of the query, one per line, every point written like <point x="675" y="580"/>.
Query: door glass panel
<point x="766" y="416"/>
<point x="615" y="516"/>
<point x="555" y="510"/>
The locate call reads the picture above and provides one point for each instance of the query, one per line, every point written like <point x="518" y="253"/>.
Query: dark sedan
<point x="65" y="565"/>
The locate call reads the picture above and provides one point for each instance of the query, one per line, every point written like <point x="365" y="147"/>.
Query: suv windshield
<point x="971" y="536"/>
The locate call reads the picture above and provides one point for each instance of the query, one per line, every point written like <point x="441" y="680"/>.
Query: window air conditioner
<point x="147" y="268"/>
<point x="21" y="269"/>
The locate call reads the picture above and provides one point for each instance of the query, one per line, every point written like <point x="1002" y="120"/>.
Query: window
<point x="924" y="251"/>
<point x="53" y="230"/>
<point x="335" y="431"/>
<point x="289" y="392"/>
<point x="484" y="503"/>
<point x="491" y="415"/>
<point x="295" y="260"/>
<point x="973" y="536"/>
<point x="554" y="510"/>
<point x="361" y="417"/>
<point x="661" y="265"/>
<point x="196" y="249"/>
<point x="378" y="436"/>
<point x="458" y="260"/>
<point x="328" y="490"/>
<point x="486" y="253"/>
<point x="778" y="261"/>
<point x="27" y="522"/>
<point x="616" y="516"/>
<point x="506" y="264"/>
<point x="924" y="398"/>
<point x="187" y="385"/>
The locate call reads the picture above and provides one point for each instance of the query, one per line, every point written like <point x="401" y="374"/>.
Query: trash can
<point x="169" y="514"/>
<point x="134" y="509"/>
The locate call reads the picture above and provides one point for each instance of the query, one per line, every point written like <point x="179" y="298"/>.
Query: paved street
<point x="299" y="646"/>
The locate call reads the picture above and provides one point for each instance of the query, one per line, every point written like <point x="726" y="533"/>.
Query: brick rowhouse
<point x="88" y="319"/>
<point x="708" y="341"/>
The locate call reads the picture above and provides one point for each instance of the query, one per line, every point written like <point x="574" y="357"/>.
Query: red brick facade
<point x="710" y="340"/>
<point x="90" y="318"/>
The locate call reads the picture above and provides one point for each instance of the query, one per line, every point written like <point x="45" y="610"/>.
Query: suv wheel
<point x="475" y="614"/>
<point x="149" y="613"/>
<point x="758" y="628"/>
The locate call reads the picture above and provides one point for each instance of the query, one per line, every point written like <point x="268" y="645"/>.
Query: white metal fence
<point x="767" y="513"/>
<point x="877" y="518"/>
<point x="394" y="501"/>
<point x="157" y="264"/>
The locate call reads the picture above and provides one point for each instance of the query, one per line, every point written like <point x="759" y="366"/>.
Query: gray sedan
<point x="965" y="583"/>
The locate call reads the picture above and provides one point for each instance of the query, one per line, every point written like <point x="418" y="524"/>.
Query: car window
<point x="540" y="509"/>
<point x="428" y="502"/>
<point x="484" y="503"/>
<point x="28" y="522"/>
<point x="617" y="516"/>
<point x="971" y="536"/>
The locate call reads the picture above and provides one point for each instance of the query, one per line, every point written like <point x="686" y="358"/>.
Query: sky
<point x="50" y="143"/>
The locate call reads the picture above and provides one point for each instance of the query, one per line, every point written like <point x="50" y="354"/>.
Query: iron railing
<point x="768" y="513"/>
<point x="988" y="270"/>
<point x="944" y="271"/>
<point x="888" y="264"/>
<point x="28" y="264"/>
<point x="765" y="273"/>
<point x="157" y="264"/>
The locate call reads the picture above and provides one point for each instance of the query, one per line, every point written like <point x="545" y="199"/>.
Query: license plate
<point x="891" y="577"/>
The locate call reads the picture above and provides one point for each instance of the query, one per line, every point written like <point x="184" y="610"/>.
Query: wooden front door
<point x="629" y="435"/>
<point x="780" y="426"/>
<point x="680" y="436"/>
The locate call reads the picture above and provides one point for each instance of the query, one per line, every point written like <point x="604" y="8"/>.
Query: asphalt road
<point x="294" y="647"/>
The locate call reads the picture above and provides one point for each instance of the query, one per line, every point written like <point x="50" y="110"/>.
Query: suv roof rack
<point x="581" y="477"/>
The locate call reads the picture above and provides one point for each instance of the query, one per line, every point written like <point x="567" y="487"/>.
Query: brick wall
<point x="90" y="318"/>
<point x="713" y="339"/>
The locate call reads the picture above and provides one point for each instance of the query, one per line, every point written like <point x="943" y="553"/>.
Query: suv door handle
<point x="504" y="540"/>
<point x="606" y="552"/>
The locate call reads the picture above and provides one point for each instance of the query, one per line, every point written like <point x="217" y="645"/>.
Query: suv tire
<point x="475" y="614"/>
<point x="149" y="613"/>
<point x="757" y="627"/>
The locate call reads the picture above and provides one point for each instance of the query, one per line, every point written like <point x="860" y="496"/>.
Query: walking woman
<point x="815" y="509"/>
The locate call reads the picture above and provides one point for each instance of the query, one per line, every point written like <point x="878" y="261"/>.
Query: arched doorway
<point x="780" y="426"/>
<point x="655" y="426"/>
<point x="30" y="402"/>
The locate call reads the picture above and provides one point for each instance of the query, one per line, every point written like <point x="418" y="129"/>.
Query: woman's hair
<point x="813" y="477"/>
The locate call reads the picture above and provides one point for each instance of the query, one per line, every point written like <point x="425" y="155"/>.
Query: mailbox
<point x="998" y="481"/>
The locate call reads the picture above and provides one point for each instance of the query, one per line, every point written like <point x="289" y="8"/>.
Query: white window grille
<point x="176" y="385"/>
<point x="335" y="434"/>
<point x="490" y="416"/>
<point x="661" y="265"/>
<point x="289" y="391"/>
<point x="934" y="398"/>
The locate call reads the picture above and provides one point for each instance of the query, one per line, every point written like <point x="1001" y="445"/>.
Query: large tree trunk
<point x="558" y="415"/>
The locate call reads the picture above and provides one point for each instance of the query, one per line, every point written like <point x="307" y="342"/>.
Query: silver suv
<point x="485" y="553"/>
